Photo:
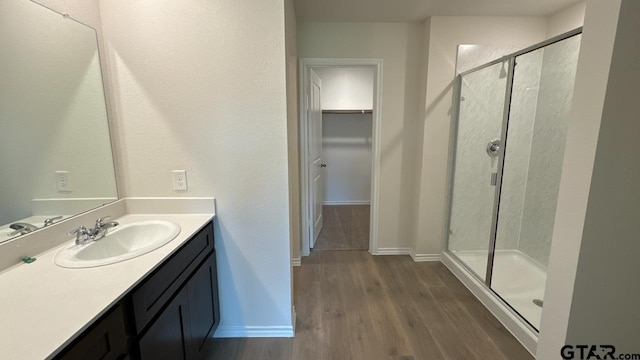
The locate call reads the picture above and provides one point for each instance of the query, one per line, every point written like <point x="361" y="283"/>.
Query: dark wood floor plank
<point x="351" y="305"/>
<point x="483" y="317"/>
<point x="334" y="332"/>
<point x="387" y="330"/>
<point x="359" y="321"/>
<point x="428" y="311"/>
<point x="308" y="301"/>
<point x="345" y="227"/>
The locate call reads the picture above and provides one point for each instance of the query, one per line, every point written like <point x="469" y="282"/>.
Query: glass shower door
<point x="541" y="97"/>
<point x="476" y="163"/>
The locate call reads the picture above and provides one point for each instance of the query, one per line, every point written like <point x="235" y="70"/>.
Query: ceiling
<point x="417" y="10"/>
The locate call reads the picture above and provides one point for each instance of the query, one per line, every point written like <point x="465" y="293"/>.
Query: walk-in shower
<point x="508" y="144"/>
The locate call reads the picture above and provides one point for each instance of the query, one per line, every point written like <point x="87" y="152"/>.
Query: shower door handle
<point x="494" y="179"/>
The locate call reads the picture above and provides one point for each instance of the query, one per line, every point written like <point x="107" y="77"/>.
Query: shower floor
<point x="516" y="278"/>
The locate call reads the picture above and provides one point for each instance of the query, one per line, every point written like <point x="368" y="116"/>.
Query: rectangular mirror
<point x="55" y="149"/>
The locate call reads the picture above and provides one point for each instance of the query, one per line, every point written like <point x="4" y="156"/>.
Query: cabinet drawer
<point x="106" y="340"/>
<point x="153" y="294"/>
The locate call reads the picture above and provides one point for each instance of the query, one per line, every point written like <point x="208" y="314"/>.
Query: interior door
<point x="314" y="116"/>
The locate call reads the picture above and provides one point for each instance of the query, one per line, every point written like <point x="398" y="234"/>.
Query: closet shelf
<point x="347" y="111"/>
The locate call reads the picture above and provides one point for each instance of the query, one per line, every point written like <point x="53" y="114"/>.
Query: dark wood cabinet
<point x="181" y="331"/>
<point x="170" y="315"/>
<point x="106" y="339"/>
<point x="204" y="310"/>
<point x="156" y="290"/>
<point x="169" y="336"/>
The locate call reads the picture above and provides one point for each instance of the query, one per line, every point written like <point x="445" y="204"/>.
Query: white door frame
<point x="305" y="65"/>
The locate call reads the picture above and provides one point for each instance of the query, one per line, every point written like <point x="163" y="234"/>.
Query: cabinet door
<point x="169" y="336"/>
<point x="106" y="340"/>
<point x="204" y="313"/>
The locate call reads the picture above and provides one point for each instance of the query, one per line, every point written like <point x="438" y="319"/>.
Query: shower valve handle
<point x="493" y="147"/>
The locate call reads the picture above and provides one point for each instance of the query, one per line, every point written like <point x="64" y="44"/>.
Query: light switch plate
<point x="62" y="181"/>
<point x="179" y="180"/>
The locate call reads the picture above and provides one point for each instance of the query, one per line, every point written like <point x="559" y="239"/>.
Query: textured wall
<point x="547" y="149"/>
<point x="201" y="86"/>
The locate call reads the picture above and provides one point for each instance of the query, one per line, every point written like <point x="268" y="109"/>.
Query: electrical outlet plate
<point x="179" y="180"/>
<point x="62" y="181"/>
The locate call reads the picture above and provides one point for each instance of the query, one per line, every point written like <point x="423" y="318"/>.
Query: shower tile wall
<point x="485" y="107"/>
<point x="516" y="166"/>
<point x="541" y="100"/>
<point x="471" y="56"/>
<point x="547" y="149"/>
<point x="480" y="121"/>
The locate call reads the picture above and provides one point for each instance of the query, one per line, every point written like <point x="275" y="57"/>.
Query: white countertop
<point x="43" y="307"/>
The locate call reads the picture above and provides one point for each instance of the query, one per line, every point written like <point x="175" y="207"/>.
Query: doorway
<point x="339" y="152"/>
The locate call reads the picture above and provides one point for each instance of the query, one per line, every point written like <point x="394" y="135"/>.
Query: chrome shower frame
<point x="453" y="140"/>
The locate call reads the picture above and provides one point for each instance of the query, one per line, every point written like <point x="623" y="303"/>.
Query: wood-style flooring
<point x="351" y="305"/>
<point x="345" y="227"/>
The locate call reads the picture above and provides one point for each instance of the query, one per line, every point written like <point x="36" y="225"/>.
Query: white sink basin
<point x="121" y="243"/>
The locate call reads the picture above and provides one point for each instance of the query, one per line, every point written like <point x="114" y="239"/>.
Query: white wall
<point x="346" y="88"/>
<point x="400" y="47"/>
<point x="346" y="149"/>
<point x="446" y="33"/>
<point x="592" y="78"/>
<point x="84" y="11"/>
<point x="346" y="138"/>
<point x="595" y="237"/>
<point x="291" y="48"/>
<point x="201" y="86"/>
<point x="605" y="307"/>
<point x="566" y="19"/>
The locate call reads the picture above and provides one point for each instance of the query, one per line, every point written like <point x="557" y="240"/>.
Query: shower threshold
<point x="517" y="279"/>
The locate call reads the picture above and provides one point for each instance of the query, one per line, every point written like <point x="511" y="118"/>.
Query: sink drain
<point x="538" y="302"/>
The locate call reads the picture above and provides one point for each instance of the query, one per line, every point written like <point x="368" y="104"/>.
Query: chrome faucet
<point x="81" y="233"/>
<point x="84" y="235"/>
<point x="22" y="228"/>
<point x="50" y="221"/>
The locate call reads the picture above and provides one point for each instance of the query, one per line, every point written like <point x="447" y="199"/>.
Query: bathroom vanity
<point x="160" y="305"/>
<point x="153" y="300"/>
<point x="169" y="315"/>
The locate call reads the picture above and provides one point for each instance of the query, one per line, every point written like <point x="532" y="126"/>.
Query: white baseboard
<point x="346" y="202"/>
<point x="253" y="331"/>
<point x="407" y="251"/>
<point x="392" y="251"/>
<point x="296" y="261"/>
<point x="424" y="257"/>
